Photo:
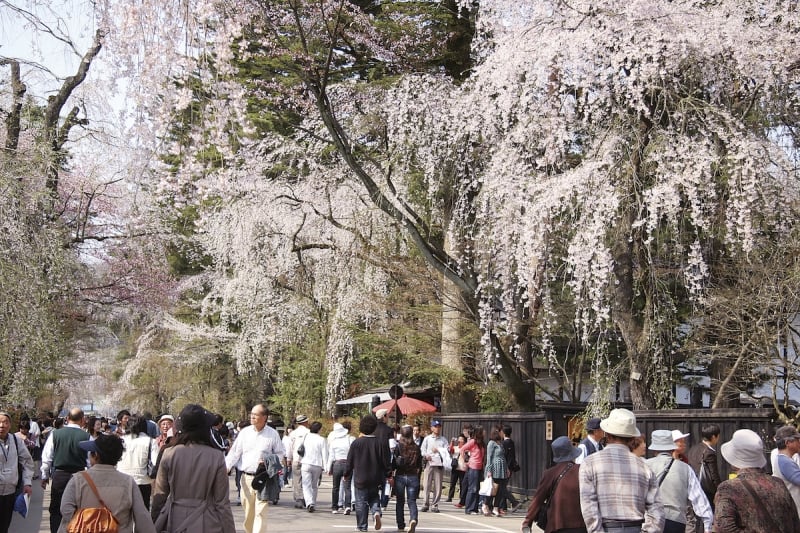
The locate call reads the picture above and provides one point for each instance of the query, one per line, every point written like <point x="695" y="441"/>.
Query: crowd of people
<point x="172" y="473"/>
<point x="677" y="490"/>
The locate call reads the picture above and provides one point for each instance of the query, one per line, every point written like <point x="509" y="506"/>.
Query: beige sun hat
<point x="744" y="450"/>
<point x="620" y="423"/>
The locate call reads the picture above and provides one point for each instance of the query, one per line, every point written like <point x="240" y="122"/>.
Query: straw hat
<point x="620" y="423"/>
<point x="744" y="450"/>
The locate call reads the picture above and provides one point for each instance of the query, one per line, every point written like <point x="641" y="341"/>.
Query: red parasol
<point x="407" y="405"/>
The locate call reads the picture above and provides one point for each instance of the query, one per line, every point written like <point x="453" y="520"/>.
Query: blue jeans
<point x="406" y="486"/>
<point x="368" y="502"/>
<point x="471" y="480"/>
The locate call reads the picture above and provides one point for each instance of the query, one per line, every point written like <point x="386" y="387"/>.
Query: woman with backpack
<point x="102" y="486"/>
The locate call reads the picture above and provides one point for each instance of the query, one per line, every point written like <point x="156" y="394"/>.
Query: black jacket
<point x="368" y="462"/>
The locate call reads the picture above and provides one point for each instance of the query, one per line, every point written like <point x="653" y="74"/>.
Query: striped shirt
<point x="617" y="485"/>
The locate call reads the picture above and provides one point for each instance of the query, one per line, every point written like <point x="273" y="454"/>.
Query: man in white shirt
<point x="251" y="446"/>
<point x="339" y="441"/>
<point x="287" y="455"/>
<point x="434" y="452"/>
<point x="313" y="462"/>
<point x="299" y="434"/>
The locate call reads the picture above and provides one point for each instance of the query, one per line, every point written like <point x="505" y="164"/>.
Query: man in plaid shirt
<point x="619" y="493"/>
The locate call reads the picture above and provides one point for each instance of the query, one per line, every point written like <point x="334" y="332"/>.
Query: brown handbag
<point x="93" y="519"/>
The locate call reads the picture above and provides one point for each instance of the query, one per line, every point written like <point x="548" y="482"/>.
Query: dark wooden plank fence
<point x="530" y="431"/>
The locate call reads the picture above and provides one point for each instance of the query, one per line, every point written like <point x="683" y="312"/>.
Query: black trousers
<point x="670" y="526"/>
<point x="456" y="478"/>
<point x="6" y="511"/>
<point x="57" y="485"/>
<point x="146" y="491"/>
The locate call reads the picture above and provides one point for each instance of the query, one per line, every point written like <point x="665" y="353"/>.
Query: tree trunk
<point x="629" y="320"/>
<point x="456" y="397"/>
<point x="18" y="90"/>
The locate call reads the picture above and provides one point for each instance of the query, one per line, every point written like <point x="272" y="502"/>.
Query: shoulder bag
<point x="94" y="519"/>
<point x="152" y="466"/>
<point x="663" y="474"/>
<point x="541" y="516"/>
<point x="20" y="483"/>
<point x="487" y="487"/>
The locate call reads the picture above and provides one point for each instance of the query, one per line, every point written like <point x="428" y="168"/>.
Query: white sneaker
<point x="412" y="526"/>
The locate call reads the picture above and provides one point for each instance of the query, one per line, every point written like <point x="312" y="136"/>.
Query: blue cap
<point x="435" y="423"/>
<point x="88" y="446"/>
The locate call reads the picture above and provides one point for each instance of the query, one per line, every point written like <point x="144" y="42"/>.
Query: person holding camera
<point x="434" y="451"/>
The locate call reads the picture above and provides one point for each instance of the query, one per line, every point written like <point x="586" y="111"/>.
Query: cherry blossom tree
<point x="593" y="168"/>
<point x="86" y="243"/>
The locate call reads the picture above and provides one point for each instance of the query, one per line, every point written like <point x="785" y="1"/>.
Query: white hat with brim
<point x="620" y="423"/>
<point x="661" y="441"/>
<point x="744" y="450"/>
<point x="677" y="435"/>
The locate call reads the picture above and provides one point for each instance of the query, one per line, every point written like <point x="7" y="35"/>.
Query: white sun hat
<point x="620" y="423"/>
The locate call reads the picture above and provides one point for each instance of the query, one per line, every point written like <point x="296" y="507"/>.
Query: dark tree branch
<point x="55" y="104"/>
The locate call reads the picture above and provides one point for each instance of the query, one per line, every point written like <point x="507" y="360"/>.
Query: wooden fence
<point x="533" y="432"/>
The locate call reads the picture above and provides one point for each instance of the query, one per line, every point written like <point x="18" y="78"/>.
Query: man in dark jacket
<point x="703" y="459"/>
<point x="510" y="450"/>
<point x="369" y="465"/>
<point x="384" y="434"/>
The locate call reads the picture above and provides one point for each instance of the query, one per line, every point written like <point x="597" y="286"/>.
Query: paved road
<point x="284" y="517"/>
